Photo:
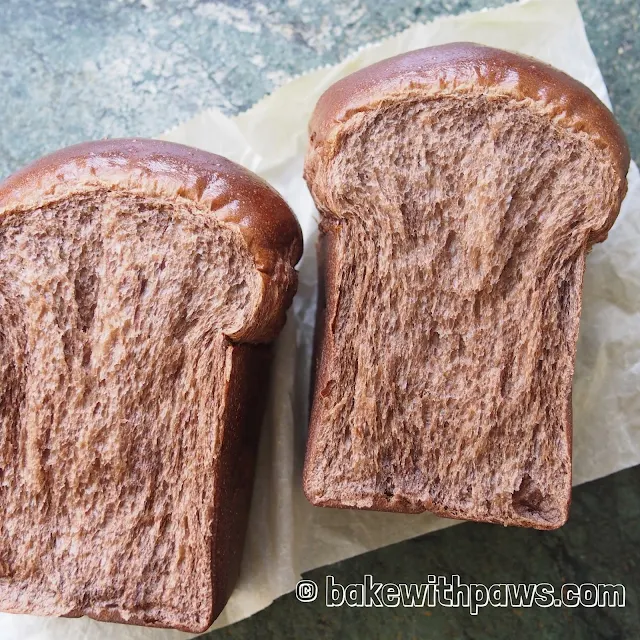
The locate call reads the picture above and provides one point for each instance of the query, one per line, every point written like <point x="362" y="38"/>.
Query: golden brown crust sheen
<point x="467" y="68"/>
<point x="231" y="193"/>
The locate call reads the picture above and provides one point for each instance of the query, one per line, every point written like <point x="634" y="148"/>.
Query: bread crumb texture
<point x="457" y="229"/>
<point x="114" y="373"/>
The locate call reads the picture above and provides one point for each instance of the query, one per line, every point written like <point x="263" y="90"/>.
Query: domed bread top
<point x="160" y="168"/>
<point x="469" y="68"/>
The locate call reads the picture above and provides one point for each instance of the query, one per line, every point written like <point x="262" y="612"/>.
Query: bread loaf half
<point x="460" y="189"/>
<point x="137" y="281"/>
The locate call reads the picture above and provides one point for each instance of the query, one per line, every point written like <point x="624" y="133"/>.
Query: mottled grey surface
<point x="73" y="70"/>
<point x="613" y="28"/>
<point x="82" y="69"/>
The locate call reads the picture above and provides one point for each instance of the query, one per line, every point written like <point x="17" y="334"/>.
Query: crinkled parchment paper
<point x="288" y="536"/>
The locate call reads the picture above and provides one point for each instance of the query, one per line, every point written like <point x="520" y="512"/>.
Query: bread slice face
<point x="137" y="281"/>
<point x="460" y="189"/>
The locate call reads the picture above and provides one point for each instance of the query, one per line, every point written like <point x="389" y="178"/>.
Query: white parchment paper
<point x="287" y="535"/>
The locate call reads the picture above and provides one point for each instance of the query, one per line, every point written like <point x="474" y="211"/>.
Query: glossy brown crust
<point x="232" y="193"/>
<point x="468" y="68"/>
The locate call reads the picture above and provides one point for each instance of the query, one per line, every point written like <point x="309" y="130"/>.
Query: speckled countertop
<point x="73" y="70"/>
